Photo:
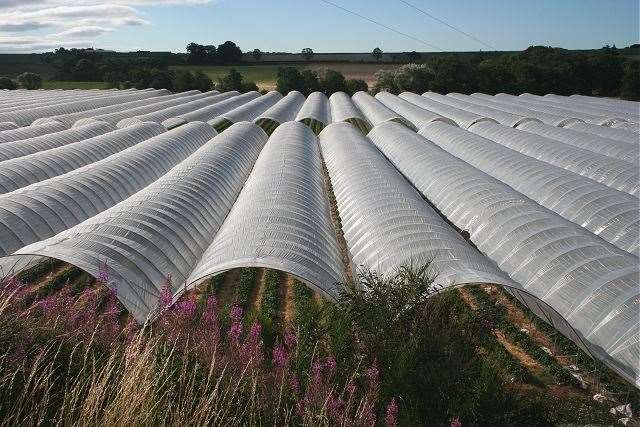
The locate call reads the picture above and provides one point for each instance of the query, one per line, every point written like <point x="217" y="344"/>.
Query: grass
<point x="70" y="354"/>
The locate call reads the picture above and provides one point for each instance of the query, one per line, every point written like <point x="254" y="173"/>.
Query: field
<point x="362" y="261"/>
<point x="265" y="75"/>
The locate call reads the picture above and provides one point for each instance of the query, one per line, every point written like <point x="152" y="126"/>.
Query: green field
<point x="263" y="75"/>
<point x="54" y="84"/>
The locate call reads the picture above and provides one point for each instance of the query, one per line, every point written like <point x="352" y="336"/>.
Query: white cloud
<point x="69" y="20"/>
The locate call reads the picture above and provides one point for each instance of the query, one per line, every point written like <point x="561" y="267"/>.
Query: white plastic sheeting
<point x="23" y="147"/>
<point x="22" y="171"/>
<point x="48" y="207"/>
<point x="316" y="107"/>
<point x="577" y="107"/>
<point x="462" y="118"/>
<point x="608" y="213"/>
<point x="632" y="127"/>
<point x="72" y="118"/>
<point x="343" y="108"/>
<point x="216" y="106"/>
<point x="547" y="107"/>
<point x="284" y="110"/>
<point x="252" y="109"/>
<point x="281" y="218"/>
<point x="609" y="147"/>
<point x="419" y="117"/>
<point x="30" y="131"/>
<point x="115" y="117"/>
<point x="162" y="230"/>
<point x="387" y="224"/>
<point x="376" y="112"/>
<point x="159" y="116"/>
<point x="502" y="117"/>
<point x="589" y="282"/>
<point x="606" y="132"/>
<point x="500" y="104"/>
<point x="610" y="171"/>
<point x="7" y="126"/>
<point x="26" y="117"/>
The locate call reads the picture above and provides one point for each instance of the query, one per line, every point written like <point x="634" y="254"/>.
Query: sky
<point x="289" y="26"/>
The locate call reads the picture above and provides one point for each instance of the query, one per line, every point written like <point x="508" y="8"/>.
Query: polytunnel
<point x="115" y="117"/>
<point x="376" y="112"/>
<point x="281" y="219"/>
<point x="419" y="117"/>
<point x="607" y="117"/>
<point x="546" y="107"/>
<point x="26" y="117"/>
<point x="608" y="213"/>
<point x="498" y="104"/>
<point x="462" y="118"/>
<point x="632" y="127"/>
<point x="499" y="116"/>
<point x="315" y="112"/>
<point x="597" y="144"/>
<point x="23" y="147"/>
<point x="586" y="281"/>
<point x="606" y="132"/>
<point x="31" y="131"/>
<point x="22" y="171"/>
<point x="610" y="171"/>
<point x="48" y="207"/>
<point x="161" y="116"/>
<point x="161" y="231"/>
<point x="230" y="101"/>
<point x="344" y="110"/>
<point x="282" y="111"/>
<point x="387" y="224"/>
<point x="71" y="118"/>
<point x="609" y="103"/>
<point x="7" y="126"/>
<point x="246" y="112"/>
<point x="48" y="101"/>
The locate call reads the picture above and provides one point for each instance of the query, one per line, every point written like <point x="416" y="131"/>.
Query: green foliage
<point x="257" y="54"/>
<point x="631" y="81"/>
<point x="233" y="80"/>
<point x="229" y="53"/>
<point x="333" y="81"/>
<point x="308" y="81"/>
<point x="186" y="80"/>
<point x="7" y="83"/>
<point x="245" y="286"/>
<point x="269" y="305"/>
<point x="30" y="80"/>
<point x="308" y="53"/>
<point x="377" y="53"/>
<point x="537" y="70"/>
<point x="356" y="85"/>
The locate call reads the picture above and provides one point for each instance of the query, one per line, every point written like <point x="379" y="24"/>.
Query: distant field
<point x="265" y="75"/>
<point x="53" y="84"/>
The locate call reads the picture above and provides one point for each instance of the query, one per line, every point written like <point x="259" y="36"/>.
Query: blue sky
<point x="287" y="25"/>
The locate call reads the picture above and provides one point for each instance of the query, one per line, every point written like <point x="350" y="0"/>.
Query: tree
<point x="196" y="53"/>
<point x="413" y="56"/>
<point x="231" y="81"/>
<point x="184" y="81"/>
<point x="630" y="88"/>
<point x="356" y="85"/>
<point x="30" y="80"/>
<point x="377" y="53"/>
<point x="257" y="54"/>
<point x="229" y="53"/>
<point x="86" y="71"/>
<point x="7" y="83"/>
<point x="307" y="52"/>
<point x="333" y="81"/>
<point x="310" y="82"/>
<point x="290" y="78"/>
<point x="413" y="78"/>
<point x="202" y="82"/>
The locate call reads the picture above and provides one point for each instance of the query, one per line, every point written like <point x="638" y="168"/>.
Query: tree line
<point x="537" y="70"/>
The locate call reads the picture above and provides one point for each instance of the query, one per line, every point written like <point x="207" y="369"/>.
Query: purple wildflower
<point x="456" y="422"/>
<point x="280" y="357"/>
<point x="166" y="294"/>
<point x="391" y="416"/>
